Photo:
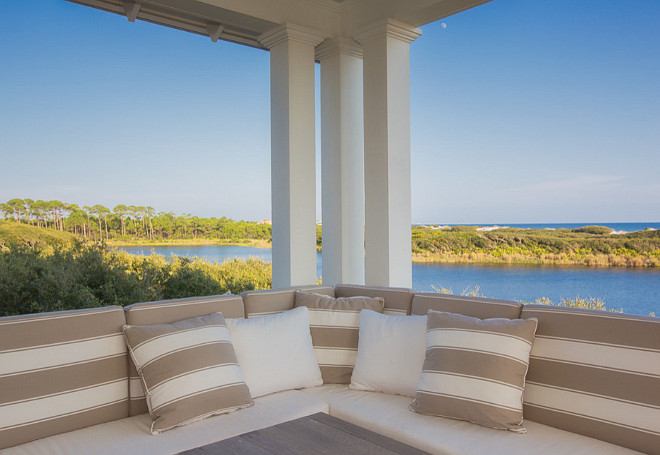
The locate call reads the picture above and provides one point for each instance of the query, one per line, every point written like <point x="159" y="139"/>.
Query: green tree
<point x="55" y="209"/>
<point x="121" y="211"/>
<point x="102" y="212"/>
<point x="40" y="209"/>
<point x="17" y="207"/>
<point x="149" y="212"/>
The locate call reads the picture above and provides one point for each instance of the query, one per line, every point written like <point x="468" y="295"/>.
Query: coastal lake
<point x="636" y="290"/>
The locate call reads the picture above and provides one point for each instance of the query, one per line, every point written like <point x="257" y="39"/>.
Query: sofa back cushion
<point x="273" y="301"/>
<point x="166" y="312"/>
<point x="334" y="324"/>
<point x="397" y="300"/>
<point x="475" y="307"/>
<point x="597" y="374"/>
<point x="60" y="372"/>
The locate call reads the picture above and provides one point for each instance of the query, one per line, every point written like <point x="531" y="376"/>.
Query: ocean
<point x="618" y="227"/>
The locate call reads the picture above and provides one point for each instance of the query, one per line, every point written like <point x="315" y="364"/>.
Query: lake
<point x="635" y="290"/>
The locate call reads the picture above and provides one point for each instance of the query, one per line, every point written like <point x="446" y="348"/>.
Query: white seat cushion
<point x="132" y="436"/>
<point x="389" y="415"/>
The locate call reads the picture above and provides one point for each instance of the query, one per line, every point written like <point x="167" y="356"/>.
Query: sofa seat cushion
<point x="131" y="435"/>
<point x="389" y="415"/>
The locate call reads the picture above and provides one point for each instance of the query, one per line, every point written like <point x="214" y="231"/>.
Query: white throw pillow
<point x="391" y="353"/>
<point x="275" y="352"/>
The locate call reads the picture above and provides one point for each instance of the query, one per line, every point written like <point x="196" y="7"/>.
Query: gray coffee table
<point x="315" y="434"/>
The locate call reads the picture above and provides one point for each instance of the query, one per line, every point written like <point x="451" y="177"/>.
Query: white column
<point x="342" y="161"/>
<point x="386" y="47"/>
<point x="293" y="167"/>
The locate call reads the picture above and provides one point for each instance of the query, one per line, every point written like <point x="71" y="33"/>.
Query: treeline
<point x="129" y="222"/>
<point x="87" y="275"/>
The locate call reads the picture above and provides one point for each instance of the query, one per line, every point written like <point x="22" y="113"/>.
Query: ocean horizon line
<point x="618" y="227"/>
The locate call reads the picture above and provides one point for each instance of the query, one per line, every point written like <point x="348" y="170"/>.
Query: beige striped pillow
<point x="335" y="325"/>
<point x="475" y="369"/>
<point x="168" y="311"/>
<point x="188" y="370"/>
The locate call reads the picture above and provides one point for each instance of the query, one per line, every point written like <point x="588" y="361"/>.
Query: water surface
<point x="636" y="290"/>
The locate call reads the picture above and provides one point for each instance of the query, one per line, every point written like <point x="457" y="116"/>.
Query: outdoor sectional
<point x="68" y="385"/>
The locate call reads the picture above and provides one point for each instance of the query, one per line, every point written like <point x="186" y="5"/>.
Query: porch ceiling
<point x="242" y="21"/>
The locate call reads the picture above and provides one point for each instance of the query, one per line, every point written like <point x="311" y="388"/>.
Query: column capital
<point x="290" y="32"/>
<point x="390" y="28"/>
<point x="341" y="45"/>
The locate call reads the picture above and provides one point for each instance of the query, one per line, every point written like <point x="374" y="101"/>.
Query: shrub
<point x="590" y="303"/>
<point x="88" y="275"/>
<point x="596" y="230"/>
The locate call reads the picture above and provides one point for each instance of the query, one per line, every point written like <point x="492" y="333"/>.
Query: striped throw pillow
<point x="335" y="325"/>
<point x="168" y="311"/>
<point x="188" y="370"/>
<point x="475" y="369"/>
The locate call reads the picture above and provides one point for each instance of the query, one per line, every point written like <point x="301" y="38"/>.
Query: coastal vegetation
<point x="589" y="246"/>
<point x="590" y="303"/>
<point x="38" y="278"/>
<point x="130" y="224"/>
<point x="126" y="225"/>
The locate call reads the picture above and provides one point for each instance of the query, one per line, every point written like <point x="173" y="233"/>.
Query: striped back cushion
<point x="168" y="311"/>
<point x="397" y="300"/>
<point x="335" y="325"/>
<point x="596" y="374"/>
<point x="469" y="306"/>
<point x="60" y="372"/>
<point x="188" y="369"/>
<point x="273" y="301"/>
<point x="475" y="369"/>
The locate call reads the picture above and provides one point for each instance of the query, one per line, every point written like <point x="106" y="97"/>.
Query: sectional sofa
<point x="68" y="385"/>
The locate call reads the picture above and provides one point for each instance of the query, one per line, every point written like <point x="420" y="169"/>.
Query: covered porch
<point x="363" y="49"/>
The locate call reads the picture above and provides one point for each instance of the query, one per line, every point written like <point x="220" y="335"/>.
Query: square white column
<point x="386" y="47"/>
<point x="293" y="163"/>
<point x="342" y="161"/>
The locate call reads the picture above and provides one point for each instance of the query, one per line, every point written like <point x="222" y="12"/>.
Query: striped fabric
<point x="335" y="324"/>
<point x="274" y="301"/>
<point x="596" y="374"/>
<point x="397" y="300"/>
<point x="476" y="307"/>
<point x="188" y="369"/>
<point x="165" y="312"/>
<point x="475" y="369"/>
<point x="60" y="372"/>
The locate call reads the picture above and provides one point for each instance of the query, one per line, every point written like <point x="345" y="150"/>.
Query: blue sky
<point x="522" y="111"/>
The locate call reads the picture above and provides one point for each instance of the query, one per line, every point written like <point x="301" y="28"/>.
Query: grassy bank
<point x="590" y="246"/>
<point x="16" y="233"/>
<point x="256" y="243"/>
